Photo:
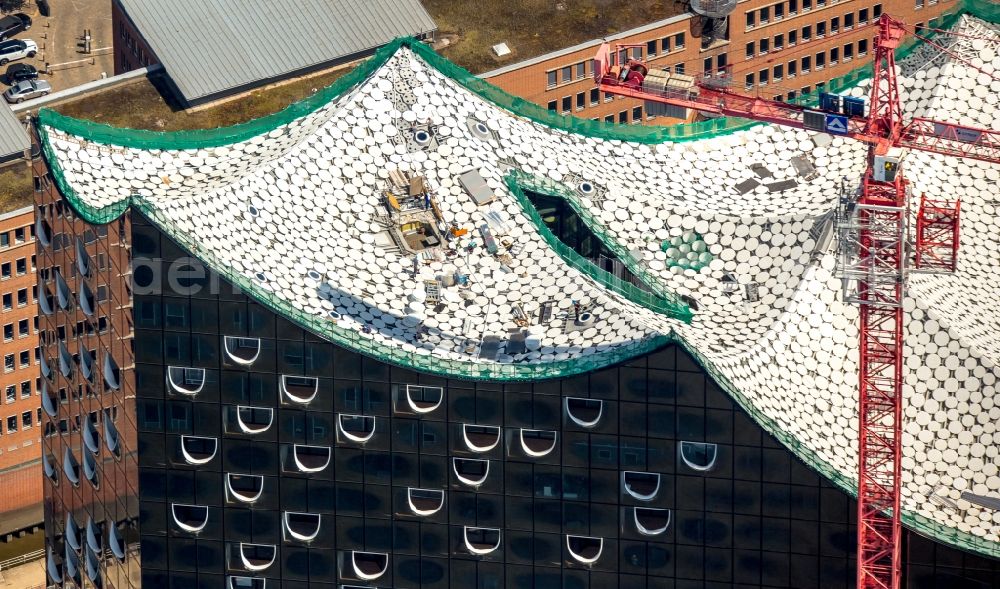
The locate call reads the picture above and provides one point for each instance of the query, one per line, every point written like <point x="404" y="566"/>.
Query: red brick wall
<point x="131" y="51"/>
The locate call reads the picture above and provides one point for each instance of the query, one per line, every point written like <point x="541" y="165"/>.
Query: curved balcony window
<point x="537" y="443"/>
<point x="699" y="456"/>
<point x="471" y="471"/>
<point x="116" y="541"/>
<point x="82" y="258"/>
<point x="311" y="458"/>
<point x="94" y="536"/>
<point x="87" y="304"/>
<point x="356" y="428"/>
<point x="425" y="502"/>
<point x="481" y="541"/>
<point x="49" y="405"/>
<point x="186" y="381"/>
<point x="369" y="566"/>
<point x="71" y="468"/>
<point x="235" y="582"/>
<point x="72" y="564"/>
<point x="72" y="534"/>
<point x="480" y="438"/>
<point x="111" y="437"/>
<point x="303" y="527"/>
<point x="244" y="488"/>
<point x="112" y="374"/>
<point x="584" y="412"/>
<point x="65" y="360"/>
<point x="423" y="399"/>
<point x="86" y="363"/>
<point x="91" y="439"/>
<point x="90" y="469"/>
<point x="63" y="295"/>
<point x="42" y="230"/>
<point x="198" y="450"/>
<point x="189" y="518"/>
<point x="256" y="557"/>
<point x="45" y="301"/>
<point x="53" y="567"/>
<point x="641" y="485"/>
<point x="242" y="350"/>
<point x="253" y="420"/>
<point x="584" y="549"/>
<point x="49" y="468"/>
<point x="651" y="522"/>
<point x="299" y="389"/>
<point x="92" y="565"/>
<point x="44" y="366"/>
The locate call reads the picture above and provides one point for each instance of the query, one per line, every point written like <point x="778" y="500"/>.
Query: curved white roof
<point x="789" y="357"/>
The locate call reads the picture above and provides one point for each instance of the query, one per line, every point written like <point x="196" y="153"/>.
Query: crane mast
<point x="875" y="251"/>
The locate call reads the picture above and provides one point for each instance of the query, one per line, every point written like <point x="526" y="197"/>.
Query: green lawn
<point x="16" y="187"/>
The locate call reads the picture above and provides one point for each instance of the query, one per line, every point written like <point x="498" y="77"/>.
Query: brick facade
<point x="131" y="51"/>
<point x="775" y="50"/>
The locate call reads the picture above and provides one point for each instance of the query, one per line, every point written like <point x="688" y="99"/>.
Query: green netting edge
<point x="983" y="9"/>
<point x="661" y="301"/>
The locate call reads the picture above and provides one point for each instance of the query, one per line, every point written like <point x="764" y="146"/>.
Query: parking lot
<point x="60" y="44"/>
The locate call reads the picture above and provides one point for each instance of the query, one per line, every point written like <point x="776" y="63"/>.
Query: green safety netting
<point x="605" y="356"/>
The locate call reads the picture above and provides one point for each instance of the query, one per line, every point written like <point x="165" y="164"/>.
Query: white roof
<point x="790" y="356"/>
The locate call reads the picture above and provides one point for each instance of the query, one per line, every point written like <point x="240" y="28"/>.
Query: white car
<point x="17" y="49"/>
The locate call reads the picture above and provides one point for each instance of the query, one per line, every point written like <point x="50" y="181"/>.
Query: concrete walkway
<point x="25" y="576"/>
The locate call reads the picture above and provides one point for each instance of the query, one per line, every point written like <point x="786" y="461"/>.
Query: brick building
<point x="20" y="468"/>
<point x="772" y="49"/>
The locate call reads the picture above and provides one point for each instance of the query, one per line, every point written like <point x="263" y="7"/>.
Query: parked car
<point x="27" y="90"/>
<point x="19" y="72"/>
<point x="17" y="49"/>
<point x="13" y="24"/>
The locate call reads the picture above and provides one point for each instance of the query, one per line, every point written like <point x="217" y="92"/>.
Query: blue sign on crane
<point x="835" y="124"/>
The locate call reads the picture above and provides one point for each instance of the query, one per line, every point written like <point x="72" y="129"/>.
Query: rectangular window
<point x="765" y="15"/>
<point x="608" y="97"/>
<point x="665" y="45"/>
<point x="919" y="27"/>
<point x="793" y="37"/>
<point x="721" y="61"/>
<point x="11" y="424"/>
<point x="567" y="103"/>
<point x="637" y="53"/>
<point x="8" y="332"/>
<point x="877" y="11"/>
<point x="5" y="271"/>
<point x="551" y="79"/>
<point x="609" y="119"/>
<point x="820" y="60"/>
<point x="834" y="55"/>
<point x="10" y="393"/>
<point x="765" y="46"/>
<point x="762" y="77"/>
<point x="820" y="30"/>
<point x="791" y="95"/>
<point x="793" y="68"/>
<point x="22" y="266"/>
<point x="581" y="100"/>
<point x="779" y="42"/>
<point x="806" y="5"/>
<point x="26" y="389"/>
<point x="820" y="86"/>
<point x="834" y="25"/>
<point x="4" y="239"/>
<point x="779" y="73"/>
<point x="637" y="114"/>
<point x="751" y="19"/>
<point x="567" y="74"/>
<point x="26" y="420"/>
<point x="807" y="32"/>
<point x="581" y="70"/>
<point x="707" y="66"/>
<point x="848" y="51"/>
<point x="806" y="65"/>
<point x="25" y="358"/>
<point x="749" y="82"/>
<point x="750" y="49"/>
<point x="863" y="16"/>
<point x="793" y="7"/>
<point x="623" y="117"/>
<point x="19" y="235"/>
<point x="779" y="11"/>
<point x="23" y="328"/>
<point x="651" y="48"/>
<point x="862" y="47"/>
<point x="919" y="4"/>
<point x="679" y="41"/>
<point x="8" y="301"/>
<point x="849" y="21"/>
<point x="553" y="105"/>
<point x="805" y="90"/>
<point x="595" y="96"/>
<point x="820" y="3"/>
<point x="679" y="68"/>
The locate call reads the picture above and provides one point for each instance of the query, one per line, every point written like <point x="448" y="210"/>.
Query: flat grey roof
<point x="13" y="137"/>
<point x="210" y="46"/>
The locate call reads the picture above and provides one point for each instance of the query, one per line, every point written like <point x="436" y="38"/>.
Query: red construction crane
<point x="880" y="252"/>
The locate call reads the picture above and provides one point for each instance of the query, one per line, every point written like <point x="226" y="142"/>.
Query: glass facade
<point x="259" y="451"/>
